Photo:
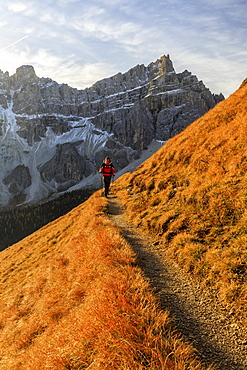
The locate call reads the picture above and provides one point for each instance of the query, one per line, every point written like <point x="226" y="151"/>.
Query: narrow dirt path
<point x="211" y="329"/>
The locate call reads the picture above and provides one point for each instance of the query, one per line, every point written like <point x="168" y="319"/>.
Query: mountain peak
<point x="162" y="65"/>
<point x="26" y="72"/>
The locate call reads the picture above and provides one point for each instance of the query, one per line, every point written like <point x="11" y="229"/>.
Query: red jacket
<point x="107" y="169"/>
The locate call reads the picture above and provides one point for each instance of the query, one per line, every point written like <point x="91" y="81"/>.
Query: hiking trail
<point x="211" y="329"/>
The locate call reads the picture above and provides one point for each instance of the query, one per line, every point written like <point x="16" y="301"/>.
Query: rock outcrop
<point x="54" y="136"/>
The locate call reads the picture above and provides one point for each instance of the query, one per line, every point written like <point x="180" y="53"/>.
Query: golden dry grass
<point x="72" y="297"/>
<point x="192" y="195"/>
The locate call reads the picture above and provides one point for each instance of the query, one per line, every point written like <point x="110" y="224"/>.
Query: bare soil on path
<point x="215" y="333"/>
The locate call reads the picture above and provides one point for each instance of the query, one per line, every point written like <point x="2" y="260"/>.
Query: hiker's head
<point x="107" y="160"/>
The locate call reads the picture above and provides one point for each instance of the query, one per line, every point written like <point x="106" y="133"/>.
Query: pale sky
<point x="79" y="42"/>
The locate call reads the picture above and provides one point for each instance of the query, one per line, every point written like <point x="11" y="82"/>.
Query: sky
<point x="79" y="42"/>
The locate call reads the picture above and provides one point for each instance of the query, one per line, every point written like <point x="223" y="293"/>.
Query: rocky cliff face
<point x="53" y="136"/>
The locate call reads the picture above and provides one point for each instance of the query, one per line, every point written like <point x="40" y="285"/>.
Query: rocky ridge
<point x="54" y="137"/>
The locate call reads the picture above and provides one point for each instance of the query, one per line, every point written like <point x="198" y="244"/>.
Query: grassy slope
<point x="72" y="297"/>
<point x="192" y="194"/>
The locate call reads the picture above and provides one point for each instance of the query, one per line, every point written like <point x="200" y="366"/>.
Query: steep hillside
<point x="192" y="196"/>
<point x="72" y="297"/>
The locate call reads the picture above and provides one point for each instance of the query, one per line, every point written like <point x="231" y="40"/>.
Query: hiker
<point x="107" y="170"/>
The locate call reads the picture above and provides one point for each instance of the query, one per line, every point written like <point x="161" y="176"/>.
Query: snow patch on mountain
<point x="15" y="151"/>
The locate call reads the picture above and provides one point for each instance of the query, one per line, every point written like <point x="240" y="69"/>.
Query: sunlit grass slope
<point x="192" y="195"/>
<point x="72" y="297"/>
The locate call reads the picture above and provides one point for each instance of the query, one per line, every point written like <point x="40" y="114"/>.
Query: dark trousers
<point x="107" y="182"/>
